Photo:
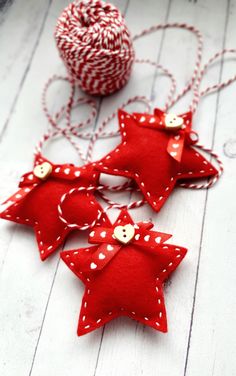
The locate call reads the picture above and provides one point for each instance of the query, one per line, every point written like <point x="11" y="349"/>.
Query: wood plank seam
<point x="9" y="243"/>
<point x="48" y="300"/>
<point x="152" y="96"/>
<point x="24" y="76"/>
<point x="44" y="315"/>
<point x="130" y="194"/>
<point x="207" y="192"/>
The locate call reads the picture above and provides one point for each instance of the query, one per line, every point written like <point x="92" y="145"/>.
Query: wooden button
<point x="173" y="121"/>
<point x="42" y="171"/>
<point x="124" y="233"/>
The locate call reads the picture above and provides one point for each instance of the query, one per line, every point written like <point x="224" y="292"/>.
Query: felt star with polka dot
<point x="148" y="154"/>
<point x="36" y="202"/>
<point x="124" y="273"/>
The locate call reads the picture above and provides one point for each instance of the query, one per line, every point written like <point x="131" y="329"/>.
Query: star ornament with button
<point x="157" y="152"/>
<point x="123" y="273"/>
<point x="36" y="202"/>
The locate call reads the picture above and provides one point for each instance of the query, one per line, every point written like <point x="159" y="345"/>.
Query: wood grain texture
<point x="39" y="302"/>
<point x="21" y="27"/>
<point x="152" y="353"/>
<point x="213" y="335"/>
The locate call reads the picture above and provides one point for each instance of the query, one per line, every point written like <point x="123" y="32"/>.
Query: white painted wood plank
<point x="213" y="339"/>
<point x="130" y="348"/>
<point x="20" y="28"/>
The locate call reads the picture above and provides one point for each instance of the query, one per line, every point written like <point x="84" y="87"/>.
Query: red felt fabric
<point x="129" y="284"/>
<point x="177" y="137"/>
<point x="39" y="207"/>
<point x="143" y="155"/>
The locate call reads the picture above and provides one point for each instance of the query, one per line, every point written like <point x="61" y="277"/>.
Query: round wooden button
<point x="43" y="170"/>
<point x="173" y="121"/>
<point x="124" y="233"/>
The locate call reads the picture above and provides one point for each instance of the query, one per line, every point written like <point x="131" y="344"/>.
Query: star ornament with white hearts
<point x="36" y="202"/>
<point x="156" y="151"/>
<point x="124" y="273"/>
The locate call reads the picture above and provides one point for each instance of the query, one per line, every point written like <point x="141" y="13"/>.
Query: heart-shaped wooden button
<point x="43" y="170"/>
<point x="124" y="233"/>
<point x="173" y="121"/>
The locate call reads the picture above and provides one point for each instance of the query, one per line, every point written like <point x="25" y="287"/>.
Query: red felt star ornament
<point x="156" y="151"/>
<point x="124" y="273"/>
<point x="36" y="202"/>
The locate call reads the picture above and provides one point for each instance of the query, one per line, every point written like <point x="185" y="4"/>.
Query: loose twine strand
<point x="70" y="130"/>
<point x="77" y="130"/>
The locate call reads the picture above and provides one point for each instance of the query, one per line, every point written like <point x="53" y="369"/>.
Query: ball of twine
<point x="95" y="45"/>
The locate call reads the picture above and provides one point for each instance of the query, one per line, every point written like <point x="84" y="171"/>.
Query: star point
<point x="124" y="279"/>
<point x="36" y="202"/>
<point x="154" y="157"/>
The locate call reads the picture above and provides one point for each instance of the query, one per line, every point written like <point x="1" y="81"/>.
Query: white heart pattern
<point x="67" y="171"/>
<point x="109" y="247"/>
<point x="101" y="256"/>
<point x="103" y="234"/>
<point x="137" y="236"/>
<point x="152" y="120"/>
<point x="31" y="176"/>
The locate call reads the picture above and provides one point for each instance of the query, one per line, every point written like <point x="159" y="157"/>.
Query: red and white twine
<point x="95" y="45"/>
<point x="111" y="204"/>
<point x="97" y="49"/>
